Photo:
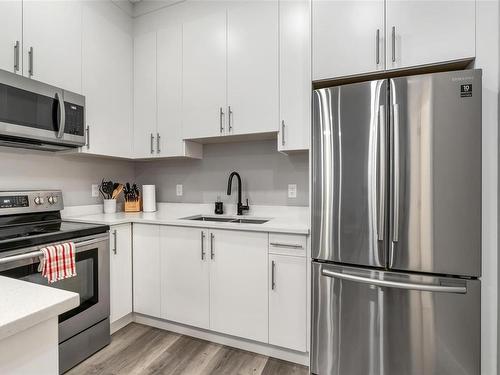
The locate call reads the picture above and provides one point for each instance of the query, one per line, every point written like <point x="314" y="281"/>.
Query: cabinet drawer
<point x="287" y="244"/>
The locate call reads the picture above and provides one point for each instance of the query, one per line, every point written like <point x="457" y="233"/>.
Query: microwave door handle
<point x="62" y="110"/>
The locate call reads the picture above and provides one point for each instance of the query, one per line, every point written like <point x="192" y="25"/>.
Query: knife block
<point x="133" y="206"/>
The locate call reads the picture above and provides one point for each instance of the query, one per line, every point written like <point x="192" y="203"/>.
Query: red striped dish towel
<point x="58" y="262"/>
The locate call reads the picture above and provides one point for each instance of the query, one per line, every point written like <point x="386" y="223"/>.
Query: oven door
<point x="91" y="283"/>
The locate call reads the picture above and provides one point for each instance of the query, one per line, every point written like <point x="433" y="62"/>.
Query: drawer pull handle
<point x="293" y="246"/>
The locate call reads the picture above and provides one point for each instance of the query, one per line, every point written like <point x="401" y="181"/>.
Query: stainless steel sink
<point x="226" y="219"/>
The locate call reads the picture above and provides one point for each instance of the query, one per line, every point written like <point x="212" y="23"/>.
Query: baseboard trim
<point x="251" y="346"/>
<point x="122" y="322"/>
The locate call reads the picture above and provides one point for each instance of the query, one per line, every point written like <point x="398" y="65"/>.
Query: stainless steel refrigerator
<point x="396" y="226"/>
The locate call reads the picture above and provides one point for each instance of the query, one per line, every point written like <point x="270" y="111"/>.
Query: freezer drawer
<point x="386" y="323"/>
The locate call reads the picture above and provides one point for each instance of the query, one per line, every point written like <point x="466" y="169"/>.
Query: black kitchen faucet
<point x="241" y="207"/>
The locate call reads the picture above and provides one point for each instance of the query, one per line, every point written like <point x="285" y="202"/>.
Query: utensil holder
<point x="109" y="206"/>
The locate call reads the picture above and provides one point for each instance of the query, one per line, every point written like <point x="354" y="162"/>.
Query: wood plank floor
<point x="139" y="349"/>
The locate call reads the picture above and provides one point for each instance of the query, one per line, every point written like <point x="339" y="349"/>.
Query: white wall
<point x="487" y="58"/>
<point x="265" y="174"/>
<point x="74" y="175"/>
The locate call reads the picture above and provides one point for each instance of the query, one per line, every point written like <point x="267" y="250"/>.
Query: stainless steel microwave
<point x="40" y="116"/>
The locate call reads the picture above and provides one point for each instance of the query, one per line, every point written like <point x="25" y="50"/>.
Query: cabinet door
<point x="185" y="275"/>
<point x="107" y="79"/>
<point x="238" y="284"/>
<point x="295" y="75"/>
<point x="345" y="37"/>
<point x="427" y="32"/>
<point x="120" y="271"/>
<point x="145" y="128"/>
<point x="252" y="71"/>
<point x="146" y="261"/>
<point x="11" y="19"/>
<point x="53" y="30"/>
<point x="204" y="76"/>
<point x="170" y="90"/>
<point x="288" y="302"/>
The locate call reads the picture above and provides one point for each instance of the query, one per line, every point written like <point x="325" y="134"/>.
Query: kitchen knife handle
<point x="16" y="56"/>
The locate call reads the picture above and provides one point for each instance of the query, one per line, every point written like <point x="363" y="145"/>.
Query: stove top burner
<point x="19" y="231"/>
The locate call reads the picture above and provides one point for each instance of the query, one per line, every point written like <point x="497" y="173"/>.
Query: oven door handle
<point x="39" y="253"/>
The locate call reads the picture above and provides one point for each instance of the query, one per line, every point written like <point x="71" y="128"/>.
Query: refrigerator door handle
<point x="396" y="173"/>
<point x="395" y="284"/>
<point x="382" y="174"/>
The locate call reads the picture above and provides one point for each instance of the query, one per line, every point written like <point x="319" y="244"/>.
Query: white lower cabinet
<point x="238" y="284"/>
<point x="185" y="275"/>
<point x="120" y="271"/>
<point x="287" y="301"/>
<point x="146" y="266"/>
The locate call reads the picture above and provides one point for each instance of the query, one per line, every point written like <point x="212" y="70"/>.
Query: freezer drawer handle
<point x="395" y="284"/>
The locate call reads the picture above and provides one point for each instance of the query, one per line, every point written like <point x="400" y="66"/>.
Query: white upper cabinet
<point x="11" y="21"/>
<point x="252" y="71"/>
<point x="146" y="270"/>
<point x="52" y="43"/>
<point x="426" y="32"/>
<point x="145" y="128"/>
<point x="348" y="37"/>
<point x="238" y="283"/>
<point x="185" y="272"/>
<point x="120" y="271"/>
<point x="295" y="75"/>
<point x="107" y="78"/>
<point x="204" y="76"/>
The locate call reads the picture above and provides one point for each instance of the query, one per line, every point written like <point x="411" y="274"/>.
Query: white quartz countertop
<point x="282" y="219"/>
<point x="24" y="304"/>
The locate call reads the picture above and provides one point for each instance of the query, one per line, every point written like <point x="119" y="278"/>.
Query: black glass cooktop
<point x="20" y="231"/>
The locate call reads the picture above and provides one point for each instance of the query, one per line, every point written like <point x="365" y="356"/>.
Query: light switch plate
<point x="178" y="190"/>
<point x="292" y="190"/>
<point x="95" y="190"/>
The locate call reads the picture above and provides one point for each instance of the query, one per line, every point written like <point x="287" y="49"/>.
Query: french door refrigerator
<point x="396" y="226"/>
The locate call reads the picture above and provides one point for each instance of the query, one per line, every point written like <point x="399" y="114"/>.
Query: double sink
<point x="226" y="219"/>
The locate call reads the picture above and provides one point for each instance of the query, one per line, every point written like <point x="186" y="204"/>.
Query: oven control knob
<point x="52" y="200"/>
<point x="39" y="201"/>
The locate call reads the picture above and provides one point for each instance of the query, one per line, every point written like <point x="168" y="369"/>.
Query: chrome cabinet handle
<point x="229" y="119"/>
<point x="395" y="284"/>
<point x="16" y="56"/>
<point x="62" y="111"/>
<point x="273" y="273"/>
<point x="114" y="241"/>
<point x="30" y="62"/>
<point x="221" y="123"/>
<point x="282" y="132"/>
<point x="394" y="44"/>
<point x="157" y="143"/>
<point x="396" y="166"/>
<point x="382" y="172"/>
<point x="152" y="143"/>
<point x="377" y="46"/>
<point x="212" y="249"/>
<point x="202" y="245"/>
<point x="279" y="244"/>
<point x="88" y="137"/>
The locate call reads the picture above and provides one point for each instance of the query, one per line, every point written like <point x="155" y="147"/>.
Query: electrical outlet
<point x="292" y="191"/>
<point x="178" y="190"/>
<point x="95" y="190"/>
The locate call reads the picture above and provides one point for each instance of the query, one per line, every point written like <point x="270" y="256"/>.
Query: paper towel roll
<point x="149" y="198"/>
